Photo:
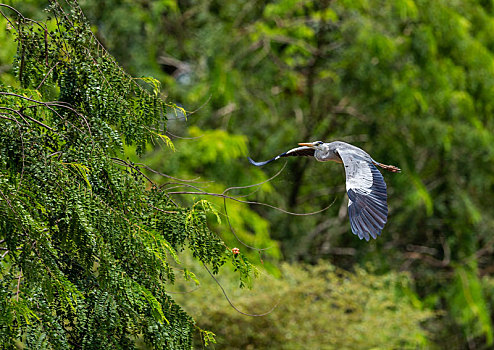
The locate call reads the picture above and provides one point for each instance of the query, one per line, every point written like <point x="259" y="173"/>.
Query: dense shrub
<point x="318" y="307"/>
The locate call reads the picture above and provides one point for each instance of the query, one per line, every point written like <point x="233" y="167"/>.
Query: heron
<point x="365" y="186"/>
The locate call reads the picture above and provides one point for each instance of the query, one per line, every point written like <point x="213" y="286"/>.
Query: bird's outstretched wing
<point x="296" y="152"/>
<point x="366" y="189"/>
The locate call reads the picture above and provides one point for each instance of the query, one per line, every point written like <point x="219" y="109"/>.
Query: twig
<point x="235" y="234"/>
<point x="427" y="258"/>
<point x="179" y="185"/>
<point x="16" y="112"/>
<point x="228" y="217"/>
<point x="47" y="74"/>
<point x="251" y="202"/>
<point x="13" y="9"/>
<point x="18" y="286"/>
<point x="168" y="176"/>
<point x="201" y="106"/>
<point x="230" y="302"/>
<point x="183" y="138"/>
<point x="164" y="211"/>
<point x="39" y="123"/>
<point x="186" y="292"/>
<point x="54" y="154"/>
<point x="136" y="169"/>
<point x="132" y="166"/>
<point x="49" y="104"/>
<point x="7" y="118"/>
<point x="257" y="184"/>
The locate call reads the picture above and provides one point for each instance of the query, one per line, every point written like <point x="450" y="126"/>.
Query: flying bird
<point x="365" y="186"/>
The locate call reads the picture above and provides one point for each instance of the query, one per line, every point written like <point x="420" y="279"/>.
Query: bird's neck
<point x="327" y="155"/>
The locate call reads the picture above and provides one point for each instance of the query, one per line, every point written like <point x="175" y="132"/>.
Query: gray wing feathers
<point x="367" y="205"/>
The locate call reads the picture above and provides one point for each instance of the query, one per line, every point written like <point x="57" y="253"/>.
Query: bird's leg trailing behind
<point x="391" y="168"/>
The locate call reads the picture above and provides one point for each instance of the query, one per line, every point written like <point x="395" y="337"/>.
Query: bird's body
<point x="366" y="189"/>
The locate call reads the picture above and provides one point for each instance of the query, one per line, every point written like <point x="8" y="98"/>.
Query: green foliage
<point x="216" y="154"/>
<point x="468" y="290"/>
<point x="317" y="307"/>
<point x="87" y="249"/>
<point x="410" y="81"/>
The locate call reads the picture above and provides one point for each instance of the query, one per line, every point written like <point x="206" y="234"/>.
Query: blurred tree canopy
<point x="410" y="81"/>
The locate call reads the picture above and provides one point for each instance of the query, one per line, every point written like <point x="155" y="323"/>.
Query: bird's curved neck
<point x="327" y="154"/>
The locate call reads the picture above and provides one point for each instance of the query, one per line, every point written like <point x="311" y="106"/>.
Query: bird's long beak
<point x="306" y="144"/>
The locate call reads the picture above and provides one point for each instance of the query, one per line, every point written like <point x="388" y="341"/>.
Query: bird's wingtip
<point x="261" y="163"/>
<point x="251" y="161"/>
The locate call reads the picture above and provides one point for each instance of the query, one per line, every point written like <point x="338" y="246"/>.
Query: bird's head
<point x="315" y="144"/>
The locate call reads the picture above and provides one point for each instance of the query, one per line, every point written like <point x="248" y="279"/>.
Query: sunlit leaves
<point x="410" y="81"/>
<point x="87" y="249"/>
